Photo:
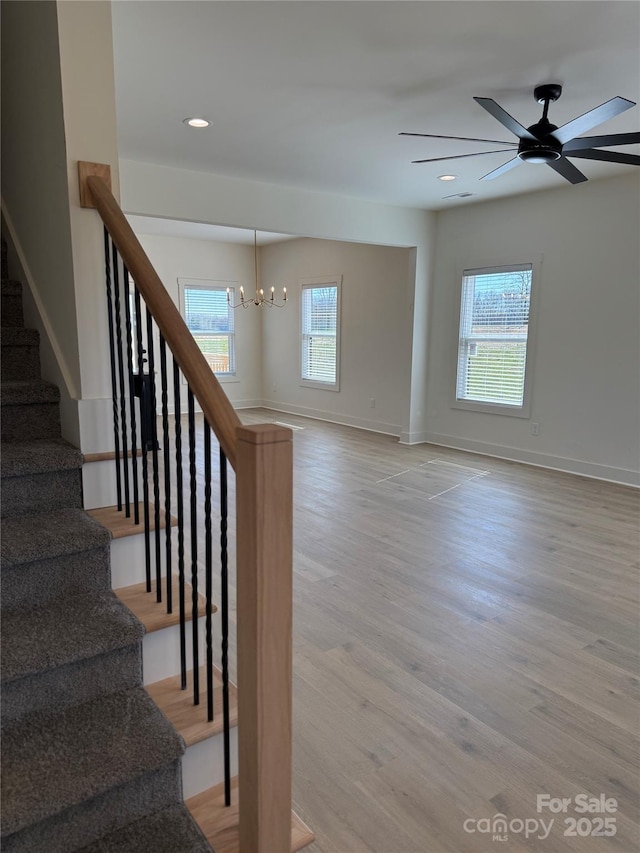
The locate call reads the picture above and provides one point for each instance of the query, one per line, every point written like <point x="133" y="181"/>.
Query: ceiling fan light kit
<point x="545" y="143"/>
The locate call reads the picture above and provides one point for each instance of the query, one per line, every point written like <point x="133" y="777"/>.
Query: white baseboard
<point x="412" y="437"/>
<point x="528" y="457"/>
<point x="247" y="404"/>
<point x="332" y="417"/>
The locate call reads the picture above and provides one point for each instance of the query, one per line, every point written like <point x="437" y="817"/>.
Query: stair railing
<point x="261" y="457"/>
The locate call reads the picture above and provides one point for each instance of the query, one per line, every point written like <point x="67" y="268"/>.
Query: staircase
<point x="89" y="762"/>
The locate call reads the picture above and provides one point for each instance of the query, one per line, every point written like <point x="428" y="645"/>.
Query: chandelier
<point x="259" y="299"/>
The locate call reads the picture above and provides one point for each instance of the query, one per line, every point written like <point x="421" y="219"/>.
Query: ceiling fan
<point x="543" y="142"/>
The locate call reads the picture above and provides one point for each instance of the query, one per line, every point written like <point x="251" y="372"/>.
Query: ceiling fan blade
<point x="504" y="118"/>
<point x="607" y="156"/>
<point x="593" y="118"/>
<point x="506" y="167"/>
<point x="459" y="156"/>
<point x="602" y="141"/>
<point x="460" y="138"/>
<point x="568" y="170"/>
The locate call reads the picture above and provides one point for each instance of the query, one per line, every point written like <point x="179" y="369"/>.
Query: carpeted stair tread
<point x="20" y="459"/>
<point x="63" y="631"/>
<point x="171" y="830"/>
<point x="17" y="337"/>
<point x="52" y="762"/>
<point x="51" y="534"/>
<point x="25" y="393"/>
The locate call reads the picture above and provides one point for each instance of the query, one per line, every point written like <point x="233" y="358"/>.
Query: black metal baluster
<point x="123" y="396"/>
<point x="153" y="430"/>
<point x="132" y="397"/>
<point x="167" y="472"/>
<point x="112" y="359"/>
<point x="194" y="547"/>
<point x="180" y="512"/>
<point x="224" y="608"/>
<point x="208" y="565"/>
<point x="144" y="437"/>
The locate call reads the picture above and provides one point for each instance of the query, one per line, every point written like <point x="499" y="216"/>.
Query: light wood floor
<point x="465" y="638"/>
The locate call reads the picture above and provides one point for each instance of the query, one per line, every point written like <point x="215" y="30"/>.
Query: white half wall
<point x="586" y="368"/>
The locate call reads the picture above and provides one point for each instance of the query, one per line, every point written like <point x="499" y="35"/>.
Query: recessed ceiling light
<point x="196" y="122"/>
<point x="447" y="177"/>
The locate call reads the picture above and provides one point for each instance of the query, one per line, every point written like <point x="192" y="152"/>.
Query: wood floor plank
<point x="465" y="637"/>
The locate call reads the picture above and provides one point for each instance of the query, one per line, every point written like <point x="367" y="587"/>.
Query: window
<point x="211" y="321"/>
<point x="320" y="339"/>
<point x="492" y="347"/>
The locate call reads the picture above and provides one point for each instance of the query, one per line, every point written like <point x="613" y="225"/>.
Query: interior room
<point x="402" y="282"/>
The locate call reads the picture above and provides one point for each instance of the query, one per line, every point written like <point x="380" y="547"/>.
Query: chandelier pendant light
<point x="259" y="299"/>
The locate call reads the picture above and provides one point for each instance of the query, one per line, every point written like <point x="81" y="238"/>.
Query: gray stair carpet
<point x="29" y="410"/>
<point x="88" y="760"/>
<point x="39" y="476"/>
<point x="169" y="831"/>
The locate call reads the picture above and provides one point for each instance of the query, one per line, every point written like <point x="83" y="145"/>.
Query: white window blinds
<point x="211" y="322"/>
<point x="494" y="326"/>
<point x="319" y="333"/>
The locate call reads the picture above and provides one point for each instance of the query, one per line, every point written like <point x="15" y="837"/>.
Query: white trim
<point x="216" y="285"/>
<point x="247" y="404"/>
<point x="579" y="467"/>
<point x="70" y="385"/>
<point x="319" y="281"/>
<point x="496" y="265"/>
<point x="332" y="417"/>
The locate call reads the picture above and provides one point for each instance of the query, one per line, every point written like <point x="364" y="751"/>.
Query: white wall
<point x="34" y="185"/>
<point x="59" y="107"/>
<point x="585" y="381"/>
<point x="176" y="257"/>
<point x="86" y="67"/>
<point x="149" y="189"/>
<point x="375" y="319"/>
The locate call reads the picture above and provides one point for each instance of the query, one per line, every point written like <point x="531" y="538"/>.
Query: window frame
<point x="487" y="267"/>
<point x="215" y="285"/>
<point x="314" y="283"/>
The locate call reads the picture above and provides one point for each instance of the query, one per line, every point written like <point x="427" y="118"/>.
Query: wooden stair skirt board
<point x="115" y="520"/>
<point x="220" y="823"/>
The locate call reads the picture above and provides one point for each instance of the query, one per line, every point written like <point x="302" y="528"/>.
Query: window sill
<point x="319" y="386"/>
<point x="492" y="408"/>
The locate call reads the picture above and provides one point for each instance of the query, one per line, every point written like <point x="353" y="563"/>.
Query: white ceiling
<point x="313" y="94"/>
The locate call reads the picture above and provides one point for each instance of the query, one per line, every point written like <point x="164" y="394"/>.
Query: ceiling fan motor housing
<point x="545" y="148"/>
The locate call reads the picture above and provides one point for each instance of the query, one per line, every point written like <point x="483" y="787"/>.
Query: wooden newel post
<point x="264" y="498"/>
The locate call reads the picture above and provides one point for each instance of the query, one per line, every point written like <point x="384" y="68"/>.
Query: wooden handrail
<point x="262" y="457"/>
<point x="215" y="404"/>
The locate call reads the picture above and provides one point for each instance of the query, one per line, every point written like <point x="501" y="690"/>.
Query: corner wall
<point x="375" y="326"/>
<point x="585" y="377"/>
